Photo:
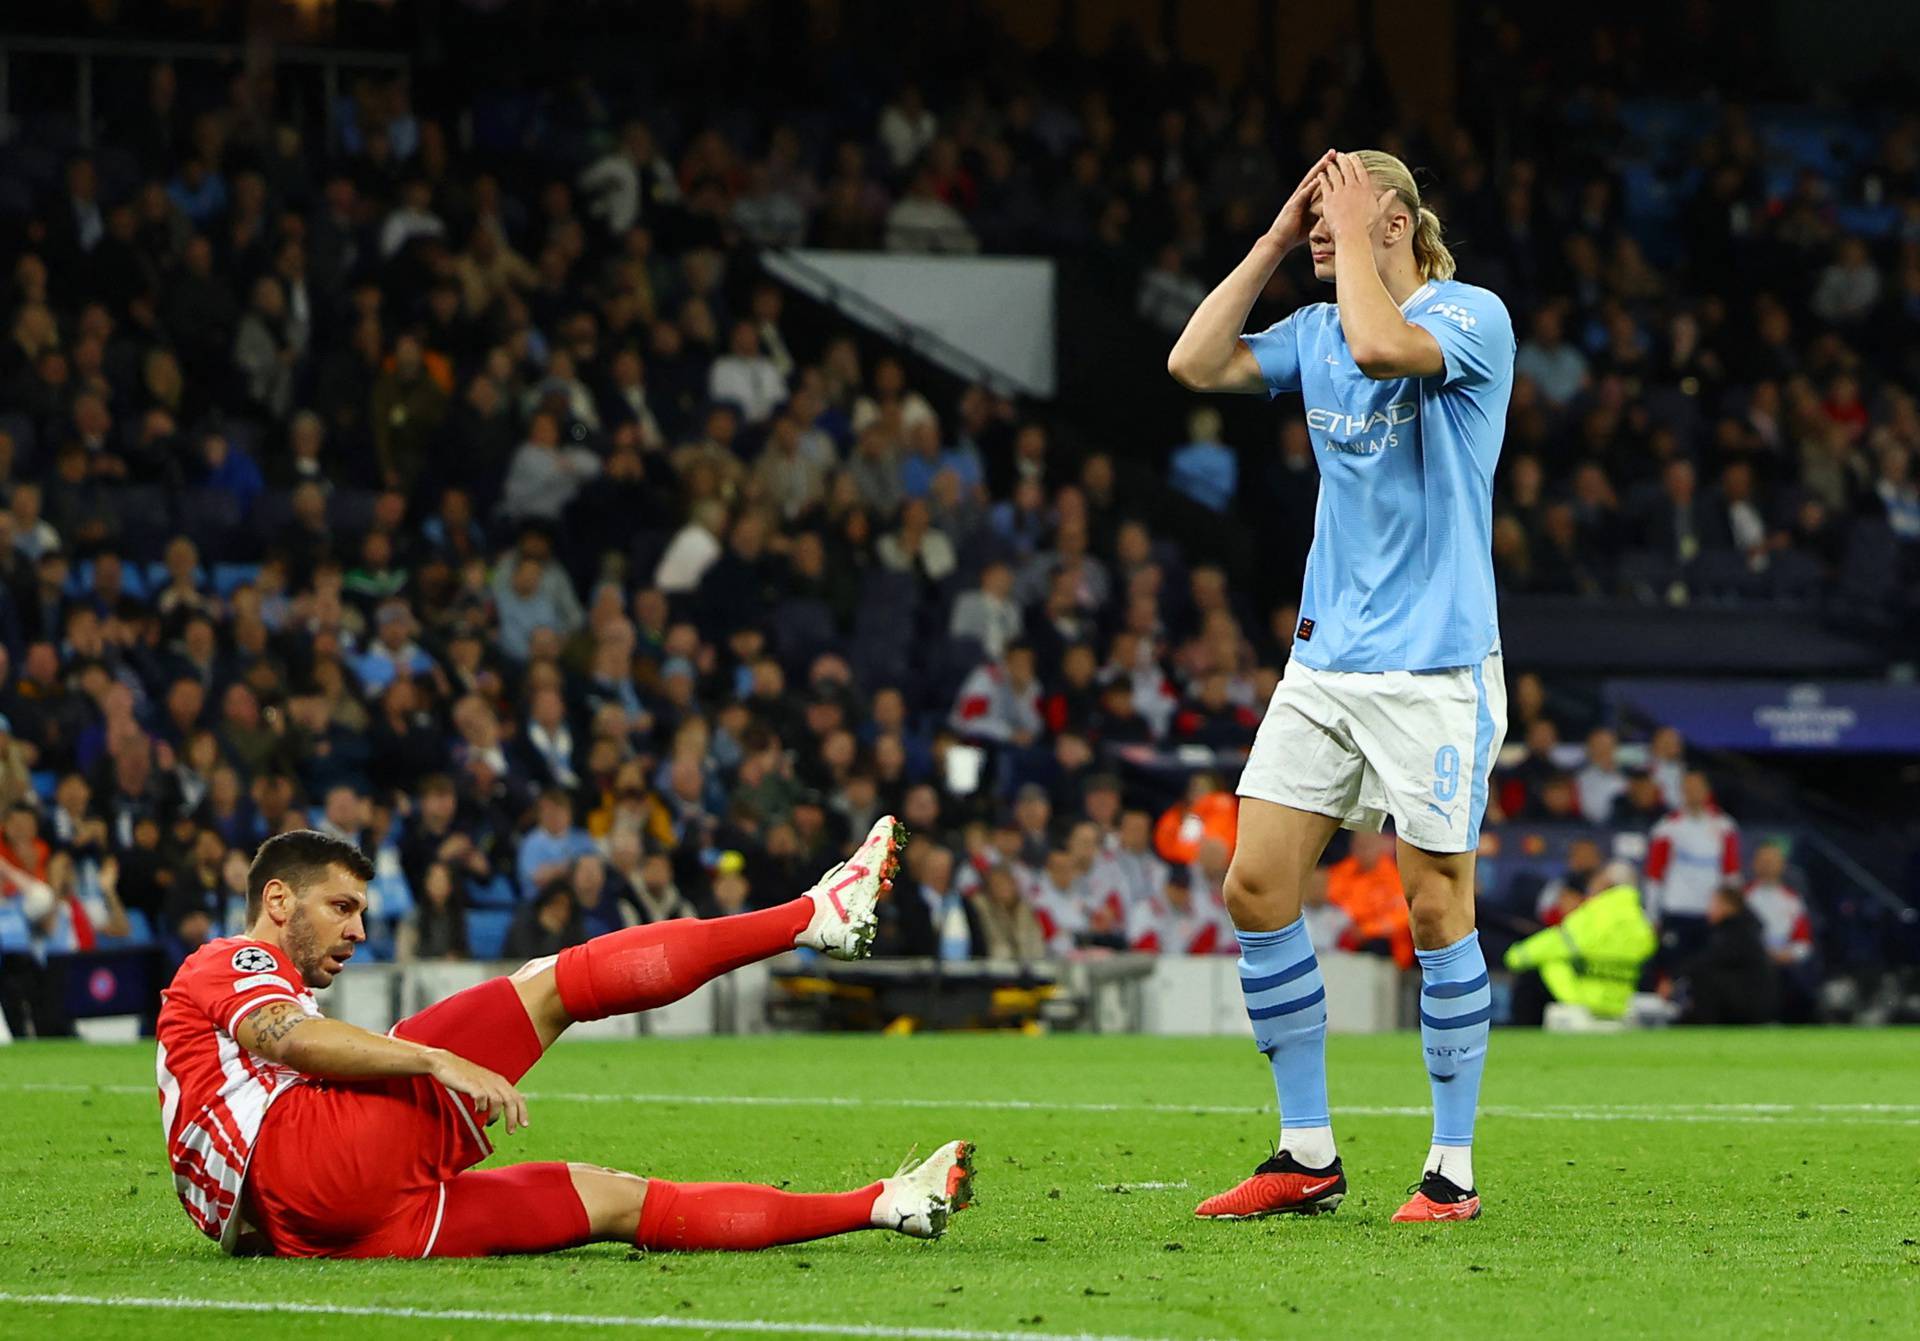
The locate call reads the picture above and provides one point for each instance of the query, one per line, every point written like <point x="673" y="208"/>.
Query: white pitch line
<point x="653" y="1322"/>
<point x="1885" y="1115"/>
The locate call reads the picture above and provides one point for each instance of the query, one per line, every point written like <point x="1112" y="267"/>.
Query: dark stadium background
<point x="1715" y="199"/>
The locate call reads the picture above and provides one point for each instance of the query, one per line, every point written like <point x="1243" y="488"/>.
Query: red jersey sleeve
<point x="231" y="978"/>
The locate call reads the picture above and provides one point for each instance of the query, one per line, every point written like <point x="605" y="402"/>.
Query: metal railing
<point x="331" y="62"/>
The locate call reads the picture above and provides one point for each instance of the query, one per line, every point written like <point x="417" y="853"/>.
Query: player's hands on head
<point x="1349" y="201"/>
<point x="491" y="1092"/>
<point x="1292" y="224"/>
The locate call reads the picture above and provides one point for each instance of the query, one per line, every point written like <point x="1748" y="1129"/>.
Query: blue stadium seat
<point x="157" y="576"/>
<point x="499" y="892"/>
<point x="139" y="929"/>
<point x="230" y="577"/>
<point x="487" y="932"/>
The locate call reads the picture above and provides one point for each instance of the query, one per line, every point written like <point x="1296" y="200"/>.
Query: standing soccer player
<point x="1394" y="702"/>
<point x="299" y="1136"/>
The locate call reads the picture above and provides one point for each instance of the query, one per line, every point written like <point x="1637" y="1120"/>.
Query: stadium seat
<point x="146" y="524"/>
<point x="1723" y="576"/>
<point x="140" y="930"/>
<point x="1795" y="577"/>
<point x="230" y="577"/>
<point x="487" y="932"/>
<point x="212" y="518"/>
<point x="499" y="892"/>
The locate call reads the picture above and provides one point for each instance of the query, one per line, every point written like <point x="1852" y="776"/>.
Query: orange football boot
<point x="1280" y="1186"/>
<point x="1437" y="1198"/>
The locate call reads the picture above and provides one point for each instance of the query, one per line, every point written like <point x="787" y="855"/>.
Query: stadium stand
<point x="442" y="467"/>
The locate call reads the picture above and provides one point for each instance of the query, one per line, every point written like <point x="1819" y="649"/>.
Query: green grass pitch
<point x="1760" y="1184"/>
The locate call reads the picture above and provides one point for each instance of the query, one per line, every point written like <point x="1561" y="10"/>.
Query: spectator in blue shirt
<point x="548" y="851"/>
<point x="1205" y="470"/>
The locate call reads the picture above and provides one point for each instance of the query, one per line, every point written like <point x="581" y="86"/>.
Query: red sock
<point x="645" y="967"/>
<point x="691" y="1217"/>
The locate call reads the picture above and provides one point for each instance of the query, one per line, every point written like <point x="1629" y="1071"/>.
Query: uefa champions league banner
<point x="1836" y="716"/>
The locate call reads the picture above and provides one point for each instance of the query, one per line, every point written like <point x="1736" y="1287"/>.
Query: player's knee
<point x="611" y="1198"/>
<point x="1255" y="900"/>
<point x="533" y="968"/>
<point x="1438" y="913"/>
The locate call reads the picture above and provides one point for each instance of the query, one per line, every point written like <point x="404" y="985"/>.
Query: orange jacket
<point x="1177" y="836"/>
<point x="1375" y="902"/>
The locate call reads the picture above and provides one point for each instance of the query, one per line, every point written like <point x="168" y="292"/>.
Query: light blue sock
<point x="1287" y="1002"/>
<point x="1455" y="1004"/>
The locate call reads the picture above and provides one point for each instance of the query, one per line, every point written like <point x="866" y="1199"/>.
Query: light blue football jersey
<point x="1400" y="575"/>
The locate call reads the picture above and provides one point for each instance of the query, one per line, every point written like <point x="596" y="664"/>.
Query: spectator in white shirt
<point x="747" y="377"/>
<point x="1849" y="289"/>
<point x="622" y="183"/>
<point x="545" y="475"/>
<point x="988" y="613"/>
<point x="1693" y="851"/>
<point x="924" y="223"/>
<point x="1601" y="778"/>
<point x="693" y="549"/>
<point x="916" y="546"/>
<point x="906" y="127"/>
<point x="1000" y="701"/>
<point x="1782" y="912"/>
<point x="412" y="218"/>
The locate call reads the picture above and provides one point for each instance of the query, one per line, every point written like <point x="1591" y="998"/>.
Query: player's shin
<point x="740" y="1217"/>
<point x="1456" y="1003"/>
<point x="643" y="968"/>
<point x="1286" y="1000"/>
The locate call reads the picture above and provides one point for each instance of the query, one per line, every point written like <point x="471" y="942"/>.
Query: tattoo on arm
<point x="272" y="1023"/>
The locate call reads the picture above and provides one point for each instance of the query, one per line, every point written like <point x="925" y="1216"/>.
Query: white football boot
<point x="920" y="1199"/>
<point x="846" y="899"/>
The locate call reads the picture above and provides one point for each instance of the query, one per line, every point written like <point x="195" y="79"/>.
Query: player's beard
<point x="303" y="946"/>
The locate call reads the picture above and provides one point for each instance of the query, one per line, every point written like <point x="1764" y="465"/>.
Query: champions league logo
<point x="252" y="959"/>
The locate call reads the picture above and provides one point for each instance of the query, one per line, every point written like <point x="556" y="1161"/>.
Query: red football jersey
<point x="213" y="1092"/>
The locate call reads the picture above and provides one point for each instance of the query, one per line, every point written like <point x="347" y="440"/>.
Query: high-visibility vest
<point x="1178" y="834"/>
<point x="1593" y="957"/>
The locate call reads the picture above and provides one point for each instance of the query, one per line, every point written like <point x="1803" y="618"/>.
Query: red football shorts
<point x="365" y="1168"/>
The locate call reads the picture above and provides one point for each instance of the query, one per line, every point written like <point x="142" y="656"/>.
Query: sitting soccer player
<point x="299" y="1136"/>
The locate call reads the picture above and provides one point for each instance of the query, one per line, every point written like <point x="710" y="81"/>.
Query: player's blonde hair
<point x="1430" y="252"/>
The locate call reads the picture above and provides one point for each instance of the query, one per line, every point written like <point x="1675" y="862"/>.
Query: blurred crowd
<point x="463" y="489"/>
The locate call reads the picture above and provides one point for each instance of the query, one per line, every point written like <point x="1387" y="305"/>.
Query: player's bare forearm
<point x="1384" y="343"/>
<point x="335" y="1050"/>
<point x="316" y="1046"/>
<point x="1209" y="355"/>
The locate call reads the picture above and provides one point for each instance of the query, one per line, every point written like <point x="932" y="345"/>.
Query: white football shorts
<point x="1363" y="745"/>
